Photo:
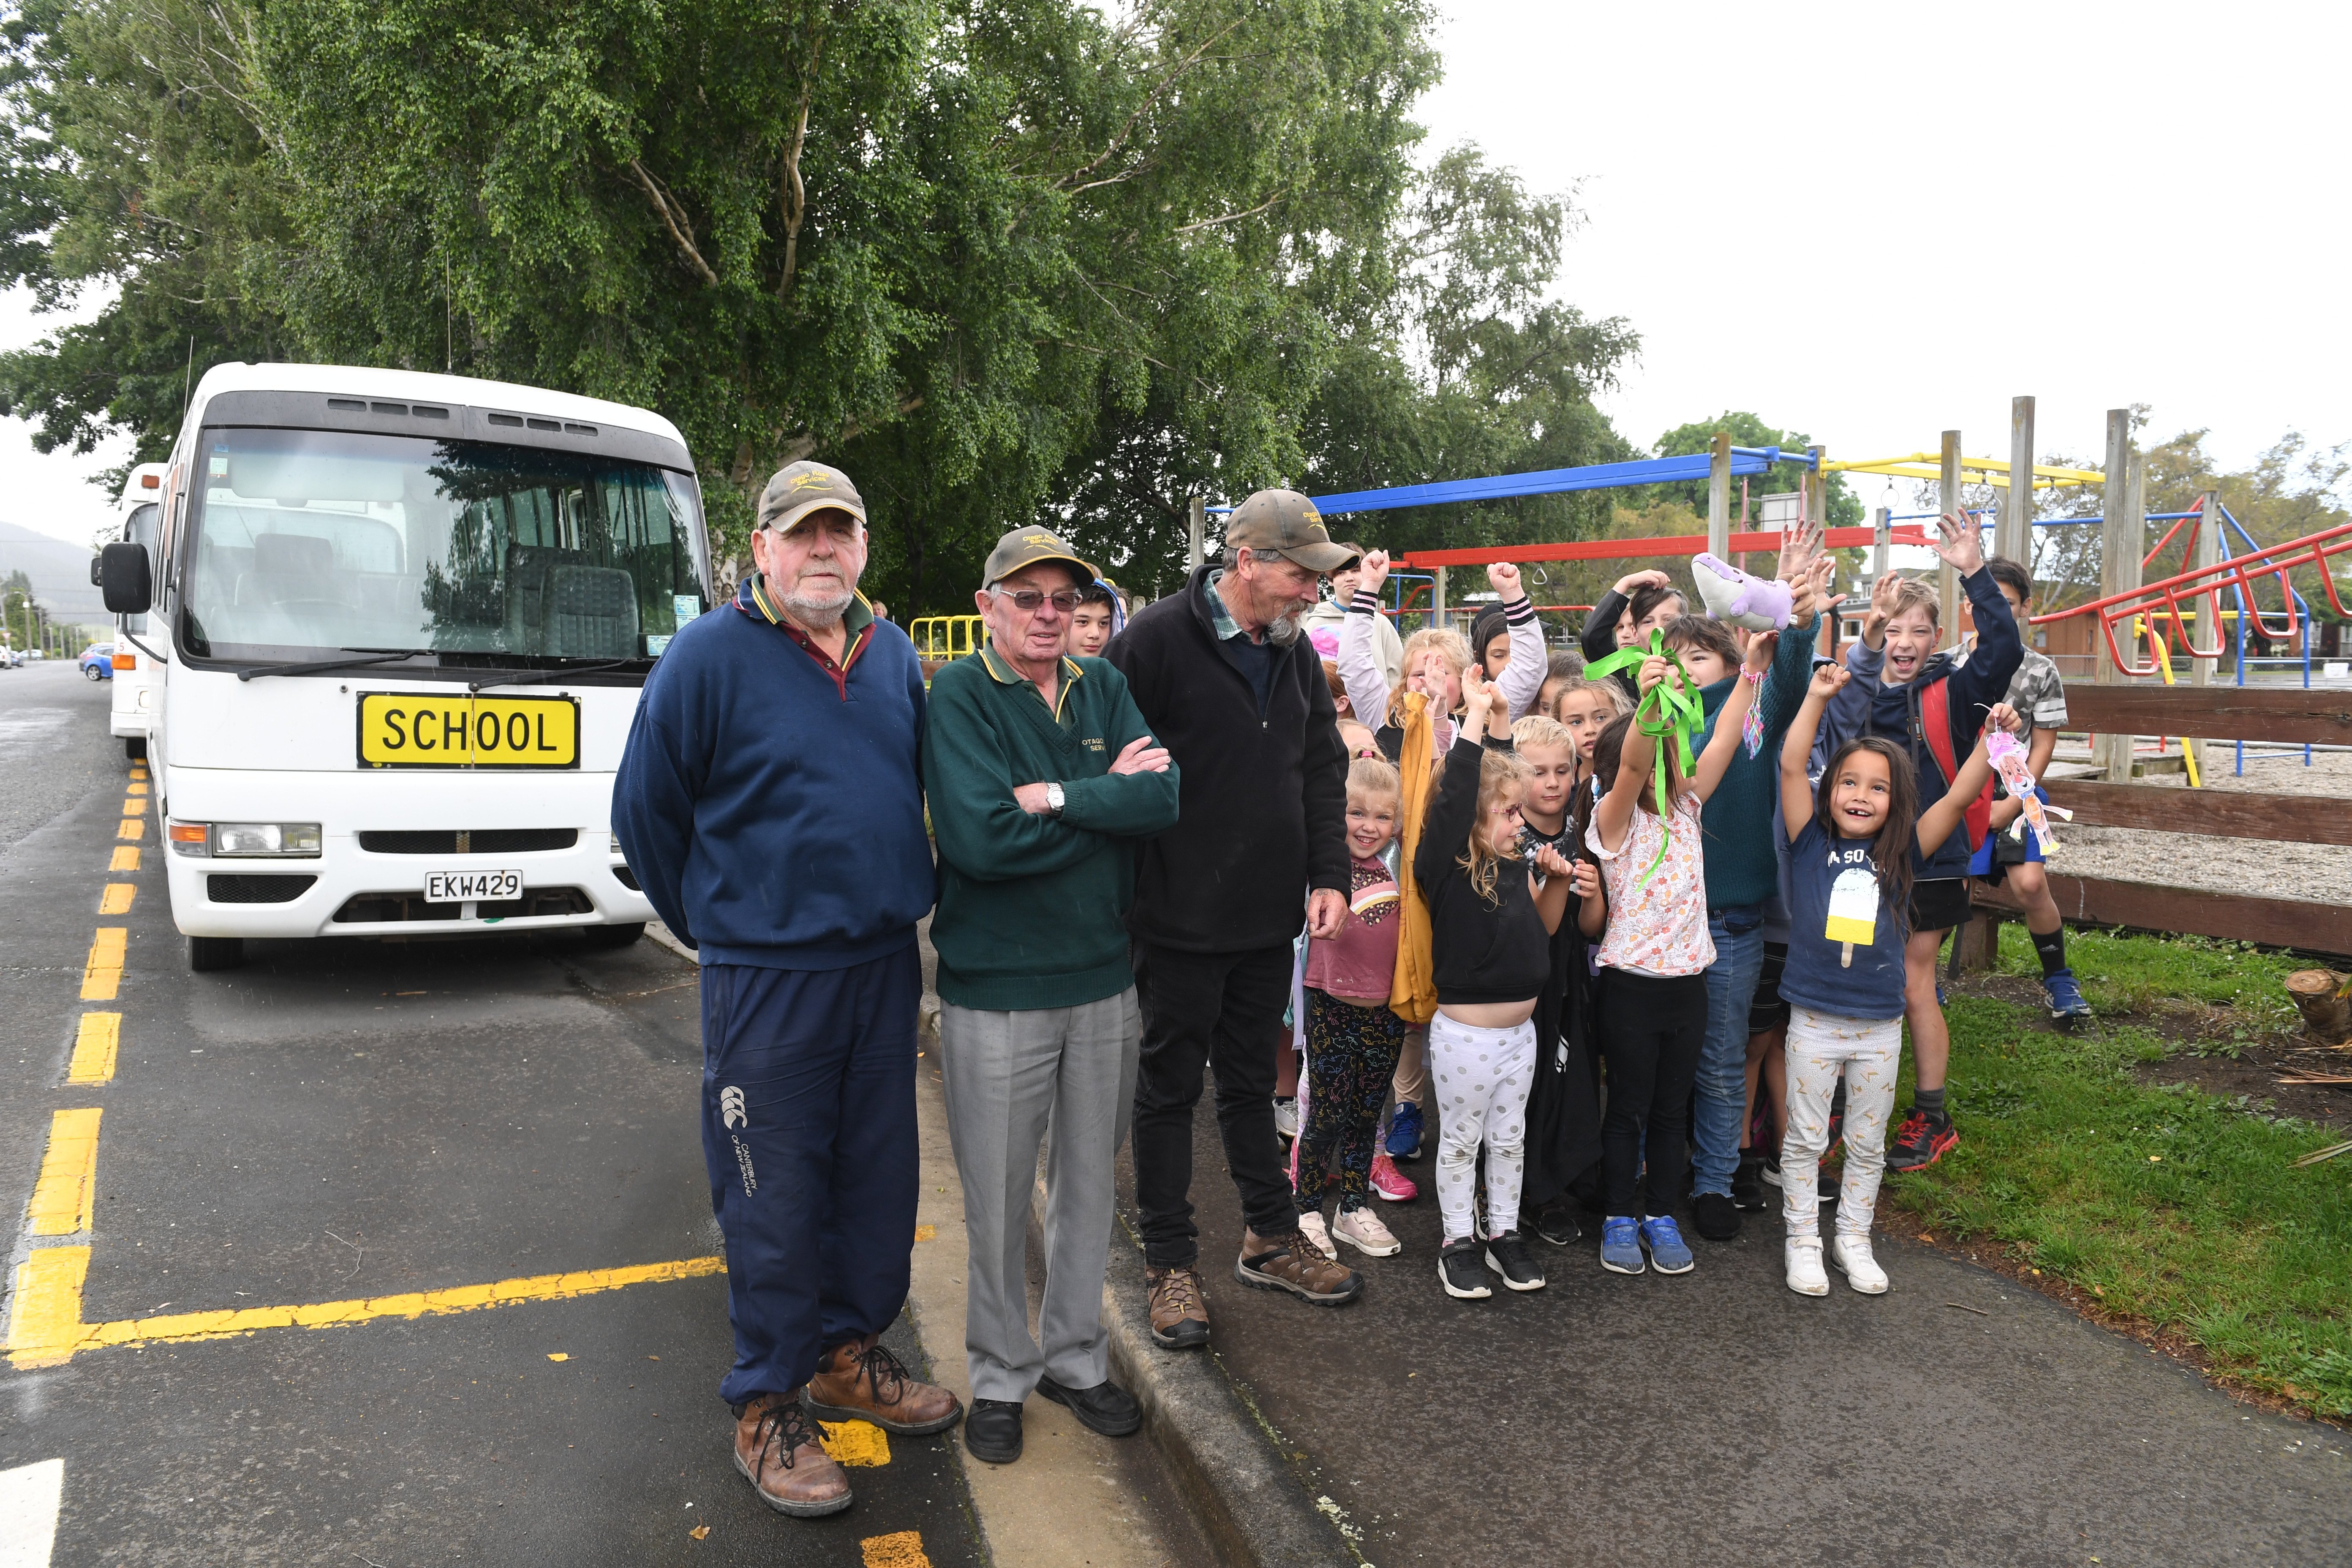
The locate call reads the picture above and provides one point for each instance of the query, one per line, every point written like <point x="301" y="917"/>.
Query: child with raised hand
<point x="1353" y="1037"/>
<point x="1850" y="866"/>
<point x="1491" y="952"/>
<point x="1652" y="1012"/>
<point x="1625" y="615"/>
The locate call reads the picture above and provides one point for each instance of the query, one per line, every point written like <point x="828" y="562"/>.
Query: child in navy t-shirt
<point x="1850" y="868"/>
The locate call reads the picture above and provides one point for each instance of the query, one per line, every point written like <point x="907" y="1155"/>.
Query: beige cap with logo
<point x="803" y="488"/>
<point x="1028" y="547"/>
<point x="1286" y="523"/>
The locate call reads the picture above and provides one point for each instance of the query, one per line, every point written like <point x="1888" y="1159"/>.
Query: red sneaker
<point x="1388" y="1184"/>
<point x="1921" y="1142"/>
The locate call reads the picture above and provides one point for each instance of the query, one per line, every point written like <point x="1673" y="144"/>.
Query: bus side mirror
<point x="123" y="574"/>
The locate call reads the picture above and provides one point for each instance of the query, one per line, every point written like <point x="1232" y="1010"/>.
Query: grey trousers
<point x="1063" y="1077"/>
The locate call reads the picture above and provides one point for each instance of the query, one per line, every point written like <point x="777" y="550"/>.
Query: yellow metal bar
<point x="67" y="1187"/>
<point x="1995" y="470"/>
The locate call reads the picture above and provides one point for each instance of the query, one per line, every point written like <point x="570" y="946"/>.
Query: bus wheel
<point x="614" y="936"/>
<point x="207" y="953"/>
<point x="135" y="748"/>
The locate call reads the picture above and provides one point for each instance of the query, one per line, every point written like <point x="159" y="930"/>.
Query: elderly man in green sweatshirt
<point x="1041" y="778"/>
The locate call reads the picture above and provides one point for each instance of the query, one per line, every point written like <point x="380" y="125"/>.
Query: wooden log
<point x="2326" y="1016"/>
<point x="2218" y="813"/>
<point x="2234" y="917"/>
<point x="2286" y="714"/>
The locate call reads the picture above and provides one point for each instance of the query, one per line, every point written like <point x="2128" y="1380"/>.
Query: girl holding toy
<point x="1851" y="869"/>
<point x="1491" y="945"/>
<point x="1652" y="1014"/>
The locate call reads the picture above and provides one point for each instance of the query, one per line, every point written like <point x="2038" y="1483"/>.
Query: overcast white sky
<point x="1876" y="222"/>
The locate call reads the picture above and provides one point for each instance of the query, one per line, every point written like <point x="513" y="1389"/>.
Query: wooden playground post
<point x="2013" y="535"/>
<point x="1719" y="497"/>
<point x="2120" y="538"/>
<point x="1949" y="584"/>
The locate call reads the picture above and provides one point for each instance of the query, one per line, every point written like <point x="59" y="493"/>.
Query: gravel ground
<point x="2319" y="872"/>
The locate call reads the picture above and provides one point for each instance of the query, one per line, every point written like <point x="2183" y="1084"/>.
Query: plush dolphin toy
<point x="1759" y="604"/>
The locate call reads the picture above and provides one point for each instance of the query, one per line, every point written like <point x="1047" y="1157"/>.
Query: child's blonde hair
<point x="1445" y="641"/>
<point x="1498" y="772"/>
<point x="1620" y="701"/>
<point x="1913" y="593"/>
<point x="1369" y="777"/>
<point x="1536" y="729"/>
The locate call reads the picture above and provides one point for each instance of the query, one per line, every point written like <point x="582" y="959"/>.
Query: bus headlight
<point x="246" y="840"/>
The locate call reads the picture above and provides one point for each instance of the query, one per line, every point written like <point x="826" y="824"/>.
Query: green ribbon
<point x="1669" y="708"/>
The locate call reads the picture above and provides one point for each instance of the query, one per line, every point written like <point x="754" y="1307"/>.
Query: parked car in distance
<point x="97" y="661"/>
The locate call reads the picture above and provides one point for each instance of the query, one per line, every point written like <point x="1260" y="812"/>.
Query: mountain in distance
<point x="60" y="572"/>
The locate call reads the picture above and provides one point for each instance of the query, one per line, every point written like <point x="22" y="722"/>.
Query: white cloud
<point x="51" y="493"/>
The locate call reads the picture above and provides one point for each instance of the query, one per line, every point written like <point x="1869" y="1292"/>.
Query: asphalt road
<point x="341" y="1121"/>
<point x="1719" y="1418"/>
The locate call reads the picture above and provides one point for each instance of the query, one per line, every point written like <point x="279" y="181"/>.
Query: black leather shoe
<point x="1718" y="1218"/>
<point x="992" y="1433"/>
<point x="1106" y="1407"/>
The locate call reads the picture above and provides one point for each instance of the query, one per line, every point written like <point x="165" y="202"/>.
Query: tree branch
<point x="674" y="219"/>
<point x="794" y="195"/>
<point x="1181" y="71"/>
<point x="1233" y="218"/>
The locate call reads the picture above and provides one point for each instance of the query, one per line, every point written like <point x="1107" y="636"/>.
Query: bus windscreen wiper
<point x="549" y="677"/>
<point x="317" y="666"/>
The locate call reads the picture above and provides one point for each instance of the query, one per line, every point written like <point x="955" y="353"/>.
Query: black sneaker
<point x="1506" y="1254"/>
<point x="1717" y="1217"/>
<point x="1459" y="1271"/>
<point x="1921" y="1142"/>
<point x="1556" y="1223"/>
<point x="1747" y="1184"/>
<point x="1768" y="1167"/>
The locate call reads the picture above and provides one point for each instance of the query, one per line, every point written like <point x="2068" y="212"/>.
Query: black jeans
<point x="1651" y="1033"/>
<point x="1223" y="1011"/>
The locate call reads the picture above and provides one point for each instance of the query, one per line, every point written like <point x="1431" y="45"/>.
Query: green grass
<point x="2174" y="1206"/>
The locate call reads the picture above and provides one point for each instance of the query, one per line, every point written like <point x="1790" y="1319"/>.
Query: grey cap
<point x="799" y="489"/>
<point x="1028" y="547"/>
<point x="1288" y="523"/>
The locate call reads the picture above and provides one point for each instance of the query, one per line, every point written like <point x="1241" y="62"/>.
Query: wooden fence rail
<point x="2213" y="712"/>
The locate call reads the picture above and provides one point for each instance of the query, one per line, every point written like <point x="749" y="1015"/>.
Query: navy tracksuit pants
<point x="808" y="1126"/>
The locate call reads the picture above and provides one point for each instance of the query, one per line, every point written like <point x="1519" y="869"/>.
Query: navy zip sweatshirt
<point x="773" y="816"/>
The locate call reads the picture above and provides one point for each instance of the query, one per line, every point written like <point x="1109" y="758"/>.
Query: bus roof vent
<point x="513" y="419"/>
<point x="545" y="423"/>
<point x="389" y="407"/>
<point x="350" y="404"/>
<point x="422" y="411"/>
<point x="579" y="430"/>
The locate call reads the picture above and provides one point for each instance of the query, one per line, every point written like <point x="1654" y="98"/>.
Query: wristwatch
<point x="1053" y="798"/>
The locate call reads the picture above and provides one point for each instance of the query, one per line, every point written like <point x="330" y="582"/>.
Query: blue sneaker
<point x="2066" y="1003"/>
<point x="1404" y="1132"/>
<point x="1621" y="1246"/>
<point x="1666" y="1243"/>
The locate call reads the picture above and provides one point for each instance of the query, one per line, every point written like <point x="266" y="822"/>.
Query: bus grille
<point x="469" y="841"/>
<point x="223" y="888"/>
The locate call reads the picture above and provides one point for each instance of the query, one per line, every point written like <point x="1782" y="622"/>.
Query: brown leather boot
<point x="862" y="1381"/>
<point x="1179" y="1312"/>
<point x="1296" y="1264"/>
<point x="776" y="1449"/>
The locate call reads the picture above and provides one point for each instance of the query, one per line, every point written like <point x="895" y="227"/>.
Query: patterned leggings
<point x="1351" y="1052"/>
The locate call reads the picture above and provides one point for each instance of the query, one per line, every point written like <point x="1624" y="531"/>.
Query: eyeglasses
<point x="1027" y="600"/>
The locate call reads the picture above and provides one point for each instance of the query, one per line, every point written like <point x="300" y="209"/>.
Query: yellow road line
<point x="854" y="1442"/>
<point x="137" y="785"/>
<point x="903" y="1550"/>
<point x="116" y="900"/>
<point x="135" y="807"/>
<point x="126" y="859"/>
<point x="103" y="972"/>
<point x="94" y="1048"/>
<point x="60" y="1335"/>
<point x="47" y="1306"/>
<point x="67" y="1186"/>
<point x="132" y="827"/>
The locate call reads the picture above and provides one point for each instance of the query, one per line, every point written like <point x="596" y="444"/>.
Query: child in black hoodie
<point x="1490" y="947"/>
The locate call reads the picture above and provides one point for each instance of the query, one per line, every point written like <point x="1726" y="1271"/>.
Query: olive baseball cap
<point x="803" y="488"/>
<point x="1029" y="547"/>
<point x="1288" y="523"/>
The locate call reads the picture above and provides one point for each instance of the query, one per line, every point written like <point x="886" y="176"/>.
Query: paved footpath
<point x="1719" y="1418"/>
<point x="391" y="1137"/>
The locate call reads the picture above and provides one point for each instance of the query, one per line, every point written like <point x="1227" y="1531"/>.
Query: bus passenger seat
<point x="592" y="613"/>
<point x="289" y="566"/>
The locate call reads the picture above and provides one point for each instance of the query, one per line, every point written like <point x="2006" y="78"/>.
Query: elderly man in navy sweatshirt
<point x="770" y="806"/>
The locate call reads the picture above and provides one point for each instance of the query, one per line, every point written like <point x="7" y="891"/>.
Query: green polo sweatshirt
<point x="1033" y="908"/>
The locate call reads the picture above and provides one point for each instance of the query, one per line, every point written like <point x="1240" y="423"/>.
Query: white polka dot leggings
<point x="1478" y="1082"/>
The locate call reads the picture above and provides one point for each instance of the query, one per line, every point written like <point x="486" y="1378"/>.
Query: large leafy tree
<point x="990" y="255"/>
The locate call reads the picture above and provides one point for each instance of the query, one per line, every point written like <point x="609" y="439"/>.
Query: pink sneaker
<point x="1390" y="1184"/>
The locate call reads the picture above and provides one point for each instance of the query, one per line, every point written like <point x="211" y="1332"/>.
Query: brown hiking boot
<point x="776" y="1449"/>
<point x="1296" y="1264"/>
<point x="861" y="1381"/>
<point x="1179" y="1312"/>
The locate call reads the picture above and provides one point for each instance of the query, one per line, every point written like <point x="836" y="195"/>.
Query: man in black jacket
<point x="1237" y="696"/>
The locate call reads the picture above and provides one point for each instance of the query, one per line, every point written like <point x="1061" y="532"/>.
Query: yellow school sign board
<point x="419" y="729"/>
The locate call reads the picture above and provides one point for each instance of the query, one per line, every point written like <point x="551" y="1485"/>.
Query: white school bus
<point x="137" y="677"/>
<point x="405" y="620"/>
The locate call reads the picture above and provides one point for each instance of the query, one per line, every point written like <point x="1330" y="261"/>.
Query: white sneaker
<point x="1312" y="1223"/>
<point x="1361" y="1229"/>
<point x="1285" y="1120"/>
<point x="1851" y="1253"/>
<point x="1805" y="1273"/>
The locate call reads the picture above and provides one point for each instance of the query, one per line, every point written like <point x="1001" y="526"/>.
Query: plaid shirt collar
<point x="1227" y="628"/>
